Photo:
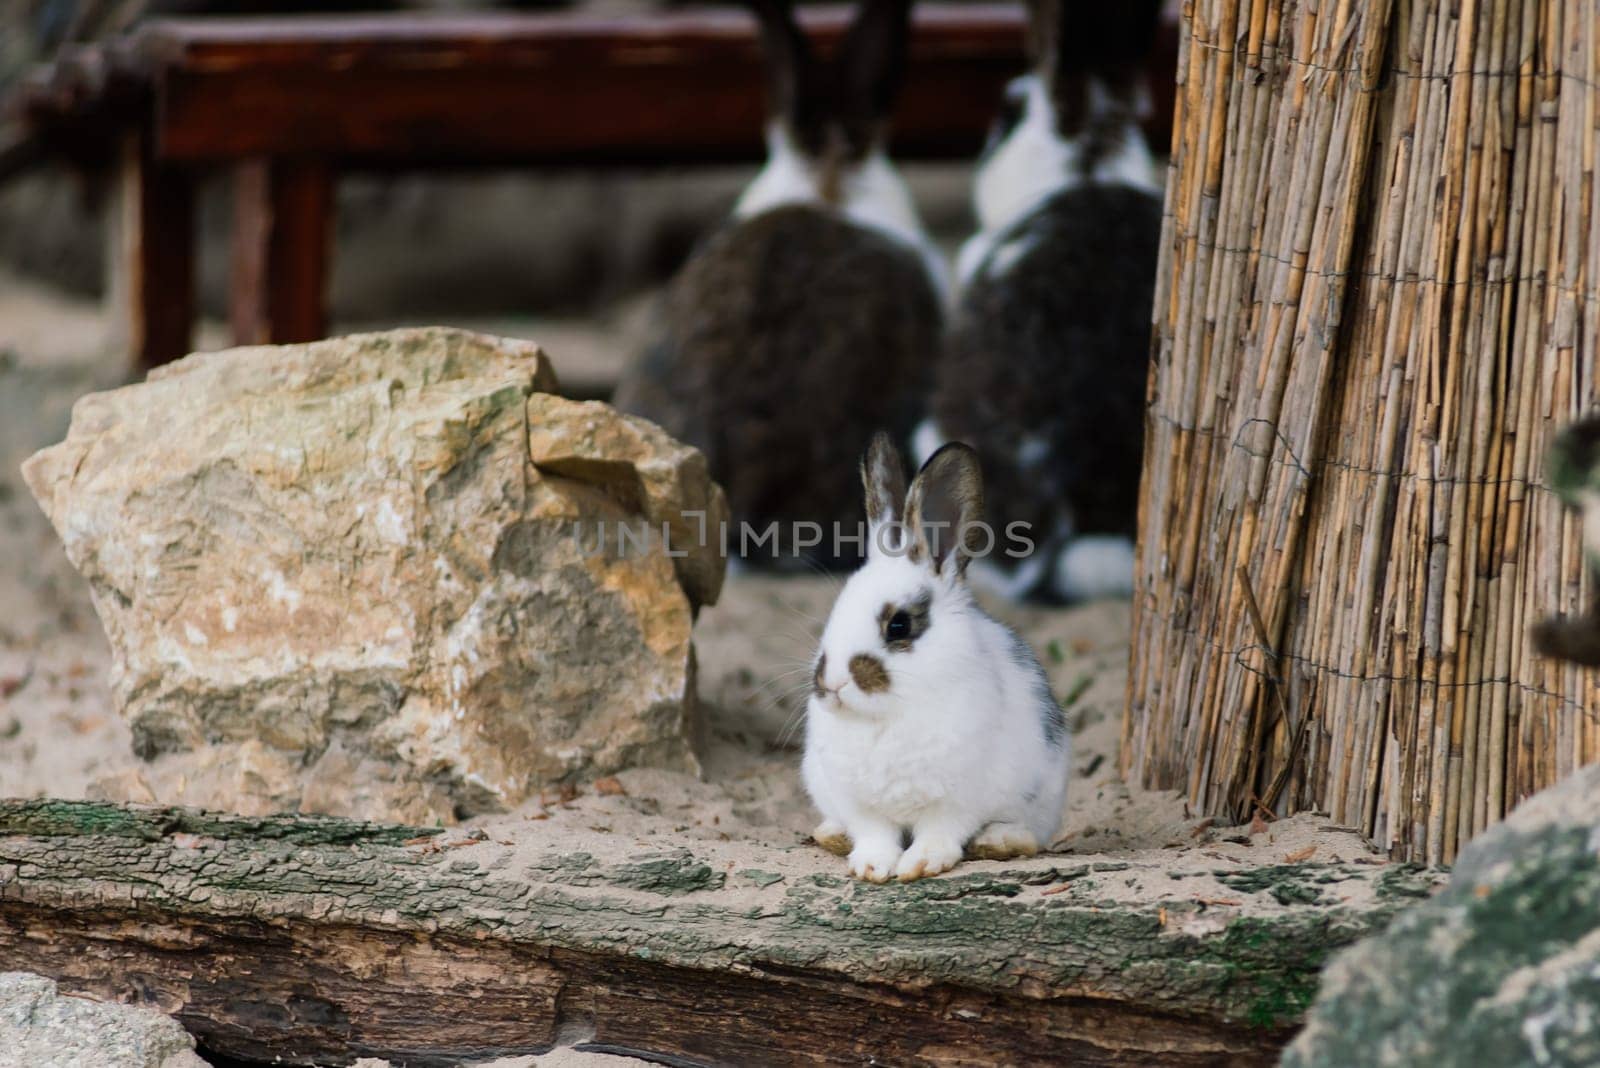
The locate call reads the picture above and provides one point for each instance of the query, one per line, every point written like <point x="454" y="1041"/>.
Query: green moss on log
<point x="51" y="818"/>
<point x="1005" y="931"/>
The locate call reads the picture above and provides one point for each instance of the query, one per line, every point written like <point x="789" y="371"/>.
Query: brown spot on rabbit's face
<point x="869" y="673"/>
<point x="816" y="677"/>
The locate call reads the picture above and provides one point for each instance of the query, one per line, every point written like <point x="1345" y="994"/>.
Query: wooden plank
<point x="512" y="89"/>
<point x="536" y="89"/>
<point x="313" y="939"/>
<point x="155" y="233"/>
<point x="282" y="242"/>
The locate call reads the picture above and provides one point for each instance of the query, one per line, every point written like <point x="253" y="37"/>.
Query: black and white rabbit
<point x="1045" y="362"/>
<point x="808" y="320"/>
<point x="930" y="729"/>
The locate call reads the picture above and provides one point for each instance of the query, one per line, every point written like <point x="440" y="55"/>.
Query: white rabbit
<point x="930" y="724"/>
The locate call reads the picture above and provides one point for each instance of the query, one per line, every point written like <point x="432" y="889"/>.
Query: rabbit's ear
<point x="1091" y="36"/>
<point x="1104" y="38"/>
<point x="788" y="59"/>
<point x="1074" y="43"/>
<point x="871" y="60"/>
<point x="944" y="509"/>
<point x="883" y="477"/>
<point x="1044" y="35"/>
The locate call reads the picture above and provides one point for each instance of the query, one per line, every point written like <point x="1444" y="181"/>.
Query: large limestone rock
<point x="1501" y="968"/>
<point x="42" y="1028"/>
<point x="362" y="575"/>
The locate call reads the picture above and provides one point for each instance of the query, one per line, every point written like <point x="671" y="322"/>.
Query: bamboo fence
<point x="1376" y="306"/>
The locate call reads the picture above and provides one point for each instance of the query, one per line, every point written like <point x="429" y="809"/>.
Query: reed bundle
<point x="1376" y="306"/>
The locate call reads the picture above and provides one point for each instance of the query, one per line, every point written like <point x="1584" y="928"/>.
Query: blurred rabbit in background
<point x="813" y="316"/>
<point x="1045" y="363"/>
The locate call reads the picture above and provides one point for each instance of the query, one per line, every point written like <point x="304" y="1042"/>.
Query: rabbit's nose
<point x="820" y="683"/>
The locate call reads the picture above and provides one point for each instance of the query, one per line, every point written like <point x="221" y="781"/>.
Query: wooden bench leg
<point x="156" y="255"/>
<point x="282" y="239"/>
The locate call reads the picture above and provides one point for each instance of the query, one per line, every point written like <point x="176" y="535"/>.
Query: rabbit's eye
<point x="904" y="623"/>
<point x="899" y="626"/>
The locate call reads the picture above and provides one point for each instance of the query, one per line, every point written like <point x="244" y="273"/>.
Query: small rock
<point x="1501" y="968"/>
<point x="42" y="1028"/>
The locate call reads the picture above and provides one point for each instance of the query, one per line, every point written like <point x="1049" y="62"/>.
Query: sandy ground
<point x="60" y="735"/>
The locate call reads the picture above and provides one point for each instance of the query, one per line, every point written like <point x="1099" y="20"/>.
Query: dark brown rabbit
<point x="1045" y="363"/>
<point x="812" y="317"/>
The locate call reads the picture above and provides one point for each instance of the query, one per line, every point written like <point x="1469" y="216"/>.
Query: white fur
<point x="1095" y="566"/>
<point x="1029" y="165"/>
<point x="1006" y="255"/>
<point x="872" y="195"/>
<point x="786" y="179"/>
<point x="1032" y="451"/>
<point x="925" y="441"/>
<point x="1034" y="162"/>
<point x="955" y="746"/>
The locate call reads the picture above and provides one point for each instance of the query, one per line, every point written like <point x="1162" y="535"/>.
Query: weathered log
<point x="316" y="939"/>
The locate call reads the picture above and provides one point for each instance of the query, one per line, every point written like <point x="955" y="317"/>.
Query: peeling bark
<point x="314" y="939"/>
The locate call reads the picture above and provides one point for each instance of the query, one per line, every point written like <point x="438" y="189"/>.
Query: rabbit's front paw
<point x="874" y="860"/>
<point x="928" y="855"/>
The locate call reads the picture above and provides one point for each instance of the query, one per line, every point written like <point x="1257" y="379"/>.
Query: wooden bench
<point x="289" y="104"/>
